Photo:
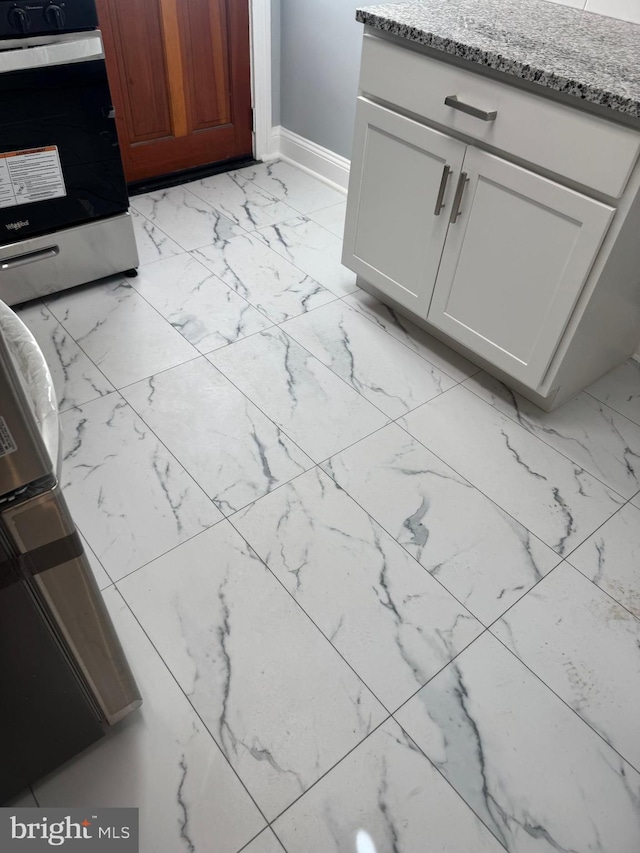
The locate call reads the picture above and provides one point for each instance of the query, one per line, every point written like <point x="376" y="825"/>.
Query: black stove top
<point x="23" y="18"/>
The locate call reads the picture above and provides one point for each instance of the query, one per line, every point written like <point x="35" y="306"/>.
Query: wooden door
<point x="514" y="264"/>
<point x="393" y="234"/>
<point x="179" y="73"/>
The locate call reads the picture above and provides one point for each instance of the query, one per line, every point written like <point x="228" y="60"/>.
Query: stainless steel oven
<point x="64" y="675"/>
<point x="63" y="198"/>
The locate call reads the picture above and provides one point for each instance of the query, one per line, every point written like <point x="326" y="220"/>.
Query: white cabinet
<point x="490" y="253"/>
<point x="503" y="221"/>
<point x="393" y="234"/>
<point x="514" y="264"/>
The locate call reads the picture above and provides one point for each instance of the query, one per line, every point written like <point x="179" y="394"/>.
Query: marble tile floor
<point x="375" y="601"/>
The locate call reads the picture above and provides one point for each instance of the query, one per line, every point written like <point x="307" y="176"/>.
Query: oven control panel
<point x="21" y="18"/>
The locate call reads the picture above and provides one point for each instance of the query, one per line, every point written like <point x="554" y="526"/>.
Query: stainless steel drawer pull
<point x="443" y="185"/>
<point x="452" y="101"/>
<point x="455" y="210"/>
<point x="29" y="258"/>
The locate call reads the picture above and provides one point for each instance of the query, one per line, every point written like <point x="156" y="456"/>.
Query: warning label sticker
<point x="30" y="175"/>
<point x="7" y="444"/>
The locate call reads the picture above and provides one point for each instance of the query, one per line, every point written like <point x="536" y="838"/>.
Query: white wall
<point x="316" y="69"/>
<point x="320" y="56"/>
<point x="275" y="62"/>
<point x="627" y="10"/>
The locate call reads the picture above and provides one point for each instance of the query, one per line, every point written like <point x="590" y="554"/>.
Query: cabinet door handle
<point x="455" y="210"/>
<point x="452" y="101"/>
<point x="443" y="185"/>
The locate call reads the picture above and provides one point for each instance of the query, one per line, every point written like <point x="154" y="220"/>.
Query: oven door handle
<point x="45" y="52"/>
<point x="29" y="258"/>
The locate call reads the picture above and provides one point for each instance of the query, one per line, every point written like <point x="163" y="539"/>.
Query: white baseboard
<point x="313" y="158"/>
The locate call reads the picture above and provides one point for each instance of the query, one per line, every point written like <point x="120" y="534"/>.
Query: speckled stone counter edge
<point x="501" y="63"/>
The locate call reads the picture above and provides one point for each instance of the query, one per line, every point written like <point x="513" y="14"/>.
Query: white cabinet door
<point x="393" y="236"/>
<point x="514" y="264"/>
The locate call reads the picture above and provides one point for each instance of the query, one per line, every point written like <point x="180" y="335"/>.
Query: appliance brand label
<point x="33" y="174"/>
<point x="7" y="444"/>
<point x="81" y="830"/>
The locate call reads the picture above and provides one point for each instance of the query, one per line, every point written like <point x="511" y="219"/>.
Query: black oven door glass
<point x="68" y="106"/>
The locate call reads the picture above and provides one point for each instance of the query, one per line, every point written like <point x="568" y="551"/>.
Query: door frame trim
<point x="261" y="94"/>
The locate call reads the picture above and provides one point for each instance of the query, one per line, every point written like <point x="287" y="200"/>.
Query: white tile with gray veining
<point x="279" y="700"/>
<point x="185" y="218"/>
<point x="389" y="618"/>
<point x="314" y="250"/>
<point x="538" y="776"/>
<point x="118" y="329"/>
<point x="315" y="408"/>
<point x="477" y="552"/>
<point x="551" y="496"/>
<point x="241" y="200"/>
<point x="75" y="377"/>
<point x="586" y="648"/>
<point x="385" y="796"/>
<point x="373" y="573"/>
<point x="412" y="336"/>
<point x="277" y="288"/>
<point x="161" y="760"/>
<point x="295" y="186"/>
<point x="153" y="244"/>
<point x="620" y="389"/>
<point x="129" y="496"/>
<point x="230" y="448"/>
<point x="197" y="303"/>
<point x="332" y="218"/>
<point x="611" y="558"/>
<point x="374" y="363"/>
<point x="589" y="433"/>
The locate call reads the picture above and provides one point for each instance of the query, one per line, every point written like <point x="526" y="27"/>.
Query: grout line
<point x="82" y="349"/>
<point x="210" y="274"/>
<point x="121" y="388"/>
<point x="156" y="227"/>
<point x="561" y="556"/>
<point x="397" y="325"/>
<point x="256" y="406"/>
<point x="599" y="527"/>
<point x="517" y="422"/>
<point x="267" y="830"/>
<point x="602" y="403"/>
<point x="449" y="783"/>
<point x="385" y="718"/>
<point x="592" y="580"/>
<point x="391" y="337"/>
<point x="220" y="245"/>
<point x="333" y="767"/>
<point x="164" y="553"/>
<point x="193" y="708"/>
<point x="395" y="539"/>
<point x="182" y="468"/>
<point x="337" y="375"/>
<point x="600" y="589"/>
<point x="310" y="618"/>
<point x="564" y="702"/>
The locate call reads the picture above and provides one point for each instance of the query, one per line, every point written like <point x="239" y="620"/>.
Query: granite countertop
<point x="584" y="55"/>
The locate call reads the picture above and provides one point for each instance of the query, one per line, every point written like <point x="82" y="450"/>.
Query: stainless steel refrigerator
<point x="64" y="678"/>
